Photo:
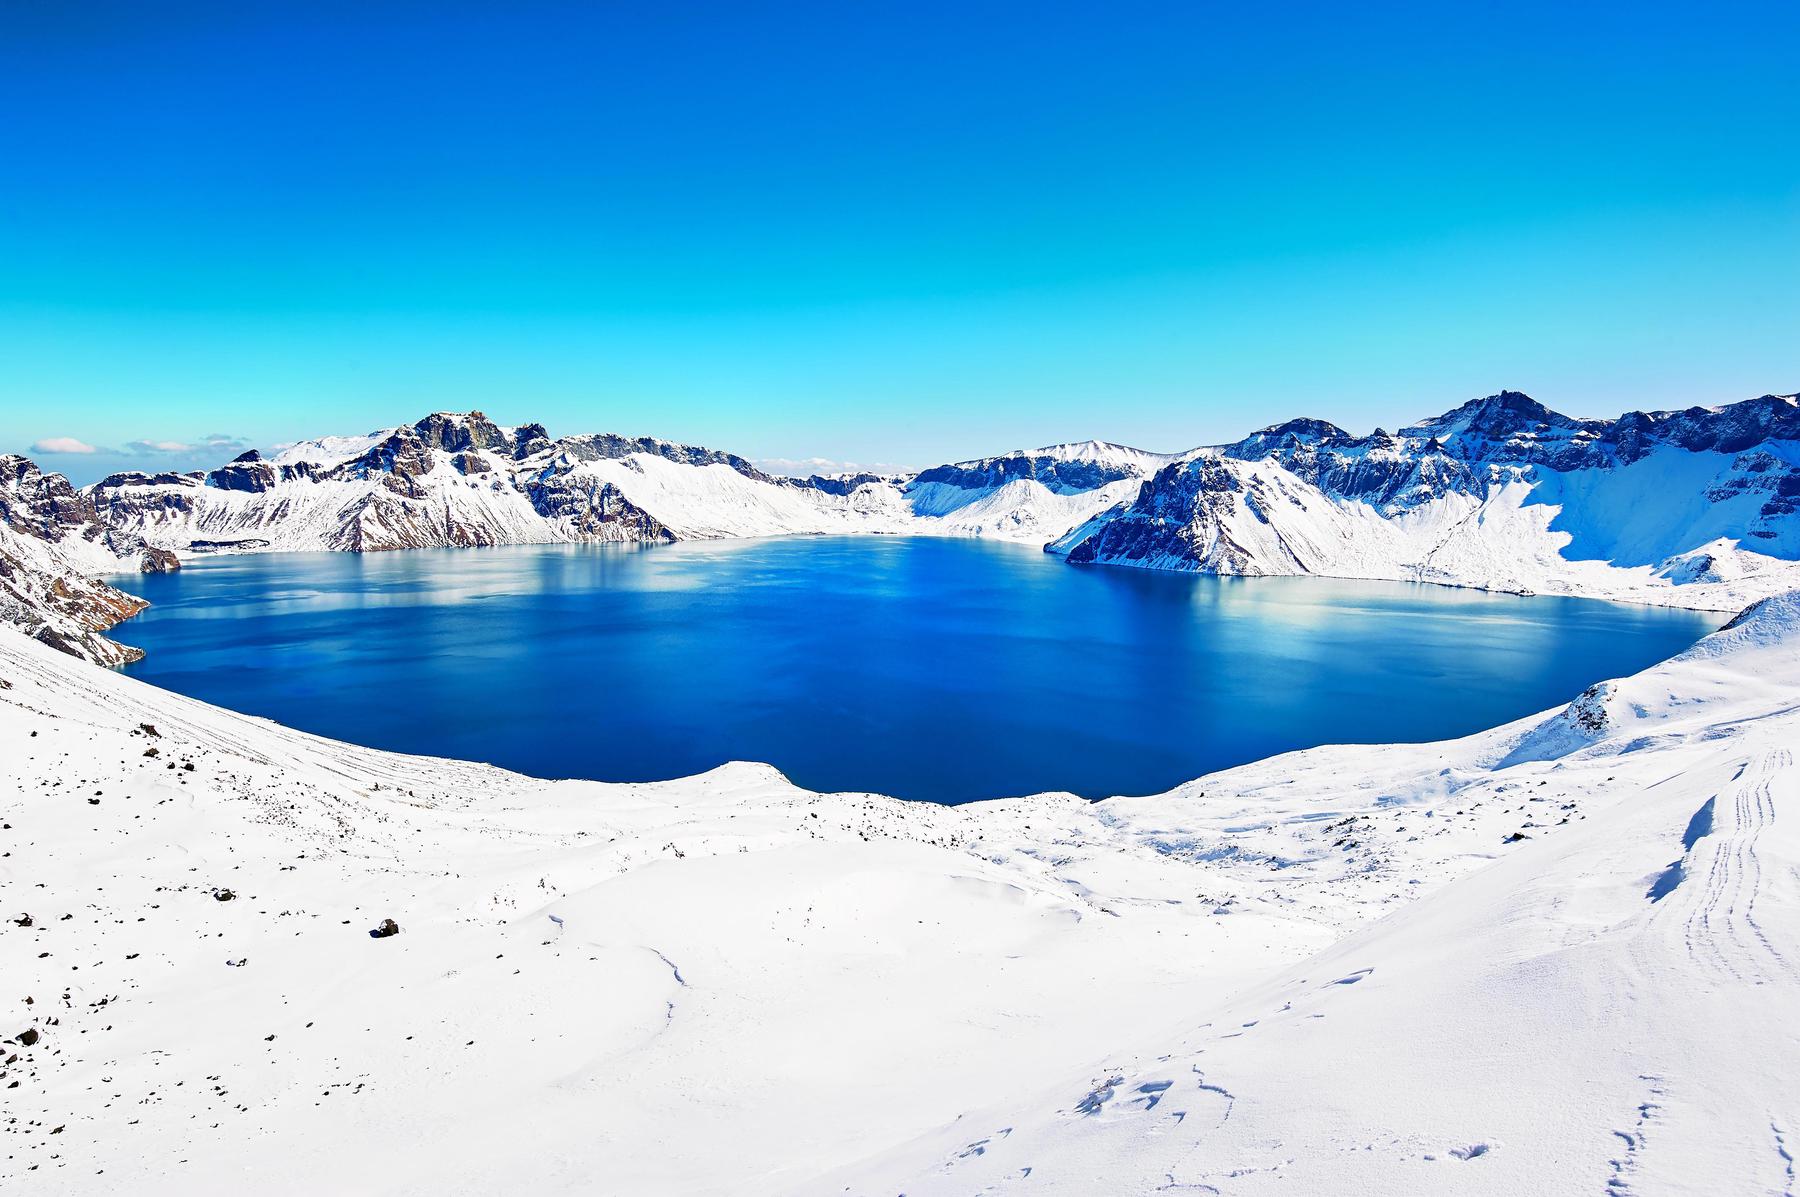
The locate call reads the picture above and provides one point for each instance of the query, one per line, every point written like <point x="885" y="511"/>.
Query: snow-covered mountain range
<point x="1694" y="508"/>
<point x="461" y="480"/>
<point x="1697" y="508"/>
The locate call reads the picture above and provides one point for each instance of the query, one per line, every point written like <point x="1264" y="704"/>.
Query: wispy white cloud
<point x="215" y="444"/>
<point x="62" y="444"/>
<point x="801" y="467"/>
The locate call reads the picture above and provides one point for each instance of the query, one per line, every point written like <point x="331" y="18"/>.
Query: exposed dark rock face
<point x="606" y="446"/>
<point x="841" y="484"/>
<point x="65" y="609"/>
<point x="1177" y="517"/>
<point x="1388" y="471"/>
<point x="594" y="509"/>
<point x="1055" y="473"/>
<point x="159" y="561"/>
<point x="1290" y="435"/>
<point x="1723" y="430"/>
<point x="529" y="440"/>
<point x="52" y="541"/>
<point x="46" y="507"/>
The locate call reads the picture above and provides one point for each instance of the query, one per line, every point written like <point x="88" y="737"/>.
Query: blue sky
<point x="882" y="234"/>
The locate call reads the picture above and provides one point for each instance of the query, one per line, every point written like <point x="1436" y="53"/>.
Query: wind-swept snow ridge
<point x="750" y="988"/>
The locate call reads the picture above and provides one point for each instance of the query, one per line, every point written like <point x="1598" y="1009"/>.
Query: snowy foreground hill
<point x="1562" y="956"/>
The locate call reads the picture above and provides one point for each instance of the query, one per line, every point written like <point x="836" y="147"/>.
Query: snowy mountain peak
<point x="1101" y="453"/>
<point x="1495" y="416"/>
<point x="460" y="432"/>
<point x="326" y="450"/>
<point x="1304" y="430"/>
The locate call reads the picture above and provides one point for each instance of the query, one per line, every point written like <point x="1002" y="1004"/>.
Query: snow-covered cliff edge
<point x="52" y="545"/>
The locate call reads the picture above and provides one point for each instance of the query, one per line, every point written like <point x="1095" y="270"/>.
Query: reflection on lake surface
<point x="946" y="670"/>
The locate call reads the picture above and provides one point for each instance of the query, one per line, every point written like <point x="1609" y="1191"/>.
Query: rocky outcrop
<point x="593" y="510"/>
<point x="53" y="543"/>
<point x="1062" y="469"/>
<point x="53" y="602"/>
<point x="607" y="447"/>
<point x="1183" y="514"/>
<point x="46" y="507"/>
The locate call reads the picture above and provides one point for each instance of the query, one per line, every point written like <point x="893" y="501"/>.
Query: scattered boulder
<point x="28" y="1037"/>
<point x="224" y="895"/>
<point x="388" y="927"/>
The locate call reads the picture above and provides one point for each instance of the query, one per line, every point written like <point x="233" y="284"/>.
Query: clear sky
<point x="882" y="234"/>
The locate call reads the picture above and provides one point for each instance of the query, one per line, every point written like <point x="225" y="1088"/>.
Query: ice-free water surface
<point x="939" y="669"/>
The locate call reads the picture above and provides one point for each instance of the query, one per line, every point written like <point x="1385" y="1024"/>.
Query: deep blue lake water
<point x="946" y="670"/>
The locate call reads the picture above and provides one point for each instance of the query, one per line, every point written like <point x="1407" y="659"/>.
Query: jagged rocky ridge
<point x="447" y="481"/>
<point x="461" y="480"/>
<point x="52" y="545"/>
<point x="1501" y="493"/>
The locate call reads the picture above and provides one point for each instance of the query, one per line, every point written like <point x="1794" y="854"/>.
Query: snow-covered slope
<point x="1463" y="967"/>
<point x="1606" y="1010"/>
<point x="1030" y="494"/>
<point x="1699" y="508"/>
<point x="52" y="544"/>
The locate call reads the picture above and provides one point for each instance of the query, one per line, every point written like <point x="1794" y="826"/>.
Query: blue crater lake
<point x="947" y="670"/>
